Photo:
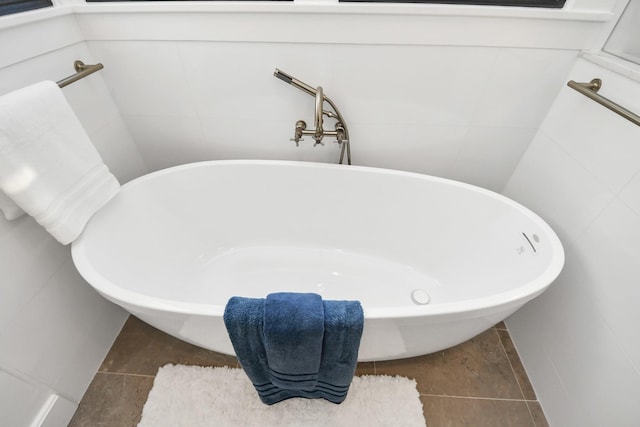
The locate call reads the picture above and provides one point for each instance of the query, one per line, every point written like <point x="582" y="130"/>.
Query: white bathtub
<point x="175" y="245"/>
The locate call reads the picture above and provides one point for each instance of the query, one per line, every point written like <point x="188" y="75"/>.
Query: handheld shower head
<point x="294" y="82"/>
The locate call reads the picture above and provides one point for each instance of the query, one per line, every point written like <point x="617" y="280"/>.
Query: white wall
<point x="54" y="329"/>
<point x="458" y="112"/>
<point x="456" y="92"/>
<point x="579" y="340"/>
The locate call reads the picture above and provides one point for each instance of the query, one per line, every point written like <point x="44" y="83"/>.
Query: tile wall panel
<point x="581" y="174"/>
<point x="428" y="109"/>
<point x="54" y="329"/>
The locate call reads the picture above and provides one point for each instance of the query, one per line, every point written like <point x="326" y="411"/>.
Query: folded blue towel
<point x="293" y="331"/>
<point x="343" y="323"/>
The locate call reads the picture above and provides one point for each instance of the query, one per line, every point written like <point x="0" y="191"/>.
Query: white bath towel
<point x="48" y="165"/>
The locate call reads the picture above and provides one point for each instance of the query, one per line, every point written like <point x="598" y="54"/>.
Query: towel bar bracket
<point x="594" y="85"/>
<point x="79" y="66"/>
<point x="590" y="90"/>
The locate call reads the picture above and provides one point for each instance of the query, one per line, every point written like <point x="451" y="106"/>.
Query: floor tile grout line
<point x="125" y="373"/>
<point x="479" y="398"/>
<point x="513" y="371"/>
<point x="500" y="328"/>
<point x="533" y="420"/>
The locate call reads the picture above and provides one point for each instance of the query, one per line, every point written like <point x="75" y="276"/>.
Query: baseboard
<point x="55" y="412"/>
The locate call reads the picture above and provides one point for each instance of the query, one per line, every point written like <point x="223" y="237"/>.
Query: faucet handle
<point x="340" y="134"/>
<point x="297" y="137"/>
<point x="297" y="141"/>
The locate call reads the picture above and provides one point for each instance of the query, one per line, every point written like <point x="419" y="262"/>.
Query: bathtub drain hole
<point x="420" y="297"/>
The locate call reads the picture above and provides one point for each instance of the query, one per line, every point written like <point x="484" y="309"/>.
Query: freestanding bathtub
<point x="434" y="262"/>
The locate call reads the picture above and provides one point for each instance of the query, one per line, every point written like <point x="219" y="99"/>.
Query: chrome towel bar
<point x="591" y="89"/>
<point x="82" y="71"/>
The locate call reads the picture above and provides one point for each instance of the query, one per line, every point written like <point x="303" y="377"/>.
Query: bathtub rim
<point x="523" y="293"/>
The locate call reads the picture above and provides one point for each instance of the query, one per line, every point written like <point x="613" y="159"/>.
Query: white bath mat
<point x="193" y="396"/>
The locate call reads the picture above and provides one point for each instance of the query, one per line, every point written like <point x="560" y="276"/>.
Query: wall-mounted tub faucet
<point x="340" y="133"/>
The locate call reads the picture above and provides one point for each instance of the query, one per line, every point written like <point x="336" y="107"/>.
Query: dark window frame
<point x="7" y="7"/>
<point x="138" y="1"/>
<point x="556" y="4"/>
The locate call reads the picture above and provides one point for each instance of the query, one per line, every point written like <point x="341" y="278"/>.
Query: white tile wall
<point x="150" y="78"/>
<point x="558" y="188"/>
<point x="411" y="147"/>
<point x="115" y="143"/>
<point x="520" y="87"/>
<point x="590" y="142"/>
<point x="488" y="155"/>
<point x="612" y="246"/>
<point x="581" y="174"/>
<point x="29" y="258"/>
<point x="54" y="328"/>
<point x="461" y="112"/>
<point x="167" y="140"/>
<point x="61" y="31"/>
<point x="630" y="194"/>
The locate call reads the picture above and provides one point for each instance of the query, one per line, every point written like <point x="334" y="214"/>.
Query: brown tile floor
<point x="478" y="383"/>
